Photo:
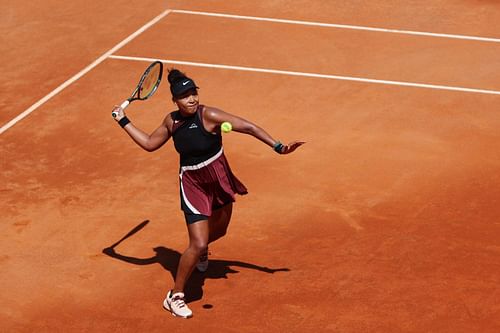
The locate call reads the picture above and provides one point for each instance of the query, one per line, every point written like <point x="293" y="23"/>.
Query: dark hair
<point x="179" y="82"/>
<point x="175" y="75"/>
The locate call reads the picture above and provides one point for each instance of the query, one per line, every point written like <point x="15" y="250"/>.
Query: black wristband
<point x="124" y="121"/>
<point x="278" y="146"/>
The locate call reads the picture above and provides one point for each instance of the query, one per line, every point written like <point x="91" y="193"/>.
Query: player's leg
<point x="219" y="222"/>
<point x="217" y="225"/>
<point x="198" y="242"/>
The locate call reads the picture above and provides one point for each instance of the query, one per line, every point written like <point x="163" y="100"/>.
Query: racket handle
<point x="125" y="104"/>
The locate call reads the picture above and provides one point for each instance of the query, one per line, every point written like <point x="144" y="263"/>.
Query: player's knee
<point x="199" y="245"/>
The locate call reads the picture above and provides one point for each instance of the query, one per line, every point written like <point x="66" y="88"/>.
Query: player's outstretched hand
<point x="289" y="148"/>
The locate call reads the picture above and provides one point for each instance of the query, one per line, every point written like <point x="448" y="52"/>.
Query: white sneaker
<point x="176" y="305"/>
<point x="202" y="264"/>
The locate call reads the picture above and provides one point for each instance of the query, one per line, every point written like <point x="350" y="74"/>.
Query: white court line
<point x="82" y="72"/>
<point x="340" y="26"/>
<point x="315" y="75"/>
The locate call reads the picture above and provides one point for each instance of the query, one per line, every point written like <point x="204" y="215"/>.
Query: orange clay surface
<point x="387" y="220"/>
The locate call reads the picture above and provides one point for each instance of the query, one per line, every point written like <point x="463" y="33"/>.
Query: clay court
<point x="386" y="220"/>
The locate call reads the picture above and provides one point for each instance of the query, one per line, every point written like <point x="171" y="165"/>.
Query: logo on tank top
<point x="193" y="125"/>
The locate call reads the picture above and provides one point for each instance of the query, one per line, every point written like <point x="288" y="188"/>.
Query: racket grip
<point x="125" y="104"/>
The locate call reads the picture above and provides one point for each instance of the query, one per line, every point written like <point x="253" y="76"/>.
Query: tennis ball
<point x="226" y="127"/>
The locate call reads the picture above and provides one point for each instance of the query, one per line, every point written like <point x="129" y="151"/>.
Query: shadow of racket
<point x="130" y="233"/>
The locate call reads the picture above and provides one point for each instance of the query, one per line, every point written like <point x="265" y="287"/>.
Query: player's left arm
<point x="213" y="118"/>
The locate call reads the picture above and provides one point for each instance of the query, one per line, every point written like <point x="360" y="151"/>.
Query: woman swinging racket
<point x="207" y="184"/>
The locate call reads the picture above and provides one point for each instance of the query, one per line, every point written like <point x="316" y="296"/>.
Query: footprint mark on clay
<point x="21" y="225"/>
<point x="86" y="276"/>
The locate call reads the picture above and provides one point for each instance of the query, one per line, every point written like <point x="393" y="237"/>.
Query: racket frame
<point x="137" y="90"/>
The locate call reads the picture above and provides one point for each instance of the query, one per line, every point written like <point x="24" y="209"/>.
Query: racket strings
<point x="151" y="81"/>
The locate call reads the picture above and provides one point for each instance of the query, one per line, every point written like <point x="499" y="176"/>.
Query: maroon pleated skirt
<point x="208" y="185"/>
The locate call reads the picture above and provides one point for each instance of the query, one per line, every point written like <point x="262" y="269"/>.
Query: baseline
<point x="339" y="26"/>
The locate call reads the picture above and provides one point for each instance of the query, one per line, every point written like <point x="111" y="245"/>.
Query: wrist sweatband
<point x="124" y="121"/>
<point x="277" y="147"/>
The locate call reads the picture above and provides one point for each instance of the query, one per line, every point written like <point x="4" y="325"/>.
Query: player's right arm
<point x="148" y="142"/>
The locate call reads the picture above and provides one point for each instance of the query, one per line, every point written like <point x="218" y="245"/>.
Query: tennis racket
<point x="147" y="86"/>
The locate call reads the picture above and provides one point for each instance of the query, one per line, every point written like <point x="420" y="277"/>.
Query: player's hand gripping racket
<point x="147" y="86"/>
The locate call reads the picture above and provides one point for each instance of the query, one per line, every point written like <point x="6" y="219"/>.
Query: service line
<point x="314" y="75"/>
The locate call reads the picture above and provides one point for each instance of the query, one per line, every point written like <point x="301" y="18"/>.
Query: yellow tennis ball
<point x="226" y="127"/>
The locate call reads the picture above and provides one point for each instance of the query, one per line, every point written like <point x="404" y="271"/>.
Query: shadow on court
<point x="169" y="259"/>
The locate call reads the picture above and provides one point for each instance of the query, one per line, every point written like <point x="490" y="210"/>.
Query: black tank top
<point x="193" y="143"/>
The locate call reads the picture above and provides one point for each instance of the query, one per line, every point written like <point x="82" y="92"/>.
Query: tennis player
<point x="207" y="184"/>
